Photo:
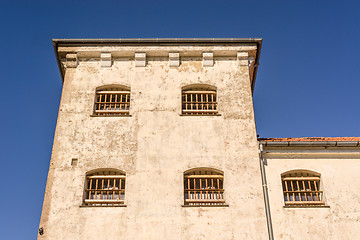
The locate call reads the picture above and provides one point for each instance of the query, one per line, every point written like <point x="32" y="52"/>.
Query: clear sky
<point x="307" y="83"/>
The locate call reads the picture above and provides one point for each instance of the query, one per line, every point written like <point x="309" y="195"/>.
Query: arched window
<point x="203" y="186"/>
<point x="105" y="188"/>
<point x="112" y="100"/>
<point x="302" y="187"/>
<point x="199" y="99"/>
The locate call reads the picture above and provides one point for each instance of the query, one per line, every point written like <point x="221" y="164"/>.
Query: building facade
<point x="156" y="139"/>
<point x="313" y="186"/>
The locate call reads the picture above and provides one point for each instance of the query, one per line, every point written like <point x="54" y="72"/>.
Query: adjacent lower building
<point x="313" y="186"/>
<point x="156" y="139"/>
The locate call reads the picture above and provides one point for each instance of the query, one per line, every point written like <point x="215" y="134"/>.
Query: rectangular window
<point x="196" y="102"/>
<point x="105" y="190"/>
<point x="112" y="103"/>
<point x="302" y="190"/>
<point x="203" y="190"/>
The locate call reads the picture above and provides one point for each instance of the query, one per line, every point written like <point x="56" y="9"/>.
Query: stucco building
<point x="156" y="139"/>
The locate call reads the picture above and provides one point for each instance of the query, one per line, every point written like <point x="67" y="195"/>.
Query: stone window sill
<point x="197" y="206"/>
<point x="310" y="206"/>
<point x="200" y="115"/>
<point x="92" y="115"/>
<point x="87" y="206"/>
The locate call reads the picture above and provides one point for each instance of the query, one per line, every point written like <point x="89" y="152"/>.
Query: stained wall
<point x="339" y="168"/>
<point x="154" y="146"/>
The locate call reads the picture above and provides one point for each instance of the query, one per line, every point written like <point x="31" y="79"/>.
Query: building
<point x="313" y="186"/>
<point x="156" y="139"/>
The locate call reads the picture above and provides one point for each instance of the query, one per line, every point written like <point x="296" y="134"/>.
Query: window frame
<point x="97" y="193"/>
<point x="198" y="195"/>
<point x="199" y="100"/>
<point x="112" y="100"/>
<point x="302" y="188"/>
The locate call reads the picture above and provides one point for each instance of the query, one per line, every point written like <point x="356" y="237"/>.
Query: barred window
<point x="302" y="188"/>
<point x="203" y="187"/>
<point x="105" y="188"/>
<point x="199" y="100"/>
<point x="112" y="101"/>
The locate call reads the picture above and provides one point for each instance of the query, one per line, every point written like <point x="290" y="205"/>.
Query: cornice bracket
<point x="208" y="59"/>
<point x="174" y="59"/>
<point x="140" y="59"/>
<point x="72" y="60"/>
<point x="105" y="59"/>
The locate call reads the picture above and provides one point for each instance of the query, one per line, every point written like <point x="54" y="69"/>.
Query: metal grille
<point x="105" y="190"/>
<point x="302" y="189"/>
<point x="203" y="188"/>
<point x="199" y="102"/>
<point x="112" y="103"/>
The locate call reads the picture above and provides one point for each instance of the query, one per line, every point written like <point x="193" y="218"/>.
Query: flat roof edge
<point x="158" y="40"/>
<point x="310" y="144"/>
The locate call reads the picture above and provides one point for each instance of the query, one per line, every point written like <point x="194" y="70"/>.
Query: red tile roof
<point x="312" y="139"/>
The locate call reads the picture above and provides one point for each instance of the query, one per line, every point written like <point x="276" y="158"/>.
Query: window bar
<point x="304" y="189"/>
<point x="311" y="195"/>
<point x="189" y="192"/>
<point x="99" y="102"/>
<point x="218" y="186"/>
<point x="206" y="187"/>
<point x="292" y="189"/>
<point x="298" y="188"/>
<point x="120" y="101"/>
<point x="212" y="102"/>
<point x="120" y="182"/>
<point x="113" y="188"/>
<point x="212" y="187"/>
<point x="186" y="101"/>
<point x="201" y="191"/>
<point x="126" y="101"/>
<point x="317" y="193"/>
<point x="96" y="187"/>
<point x="105" y="102"/>
<point x="125" y="97"/>
<point x="102" y="188"/>
<point x="207" y="101"/>
<point x="111" y="103"/>
<point x="90" y="185"/>
<point x="195" y="197"/>
<point x="108" y="189"/>
<point x="191" y="101"/>
<point x="197" y="102"/>
<point x="287" y="191"/>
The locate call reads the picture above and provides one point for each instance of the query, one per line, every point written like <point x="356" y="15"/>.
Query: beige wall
<point x="154" y="147"/>
<point x="339" y="168"/>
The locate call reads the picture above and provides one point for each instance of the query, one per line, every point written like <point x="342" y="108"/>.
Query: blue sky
<point x="307" y="83"/>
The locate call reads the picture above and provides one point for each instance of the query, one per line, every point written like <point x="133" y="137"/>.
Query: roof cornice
<point x="160" y="42"/>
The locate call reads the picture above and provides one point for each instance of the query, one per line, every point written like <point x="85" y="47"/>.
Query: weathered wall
<point x="339" y="168"/>
<point x="154" y="147"/>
